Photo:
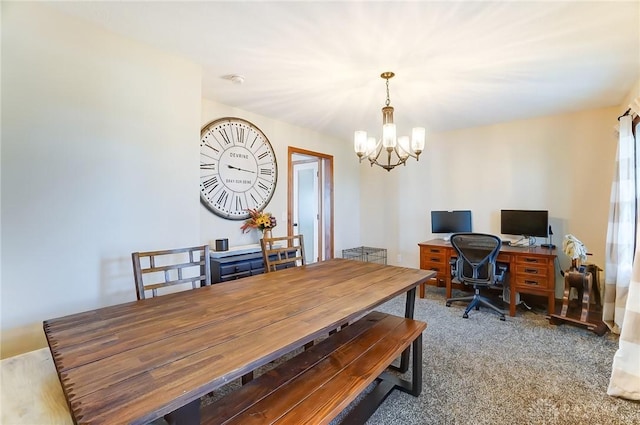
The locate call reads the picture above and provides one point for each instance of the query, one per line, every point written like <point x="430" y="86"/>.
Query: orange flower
<point x="258" y="220"/>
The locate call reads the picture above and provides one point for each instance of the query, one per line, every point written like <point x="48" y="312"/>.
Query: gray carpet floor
<point x="481" y="370"/>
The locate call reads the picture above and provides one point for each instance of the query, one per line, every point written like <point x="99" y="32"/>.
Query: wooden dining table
<point x="138" y="361"/>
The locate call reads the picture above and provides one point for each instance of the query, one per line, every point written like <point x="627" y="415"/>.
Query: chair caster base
<point x="502" y="318"/>
<point x="465" y="316"/>
<point x="448" y="304"/>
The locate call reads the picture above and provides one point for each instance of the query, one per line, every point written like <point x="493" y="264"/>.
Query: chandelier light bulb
<point x="389" y="136"/>
<point x="417" y="139"/>
<point x="360" y="142"/>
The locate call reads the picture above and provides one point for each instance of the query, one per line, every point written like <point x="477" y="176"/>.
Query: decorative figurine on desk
<point x="574" y="249"/>
<point x="577" y="277"/>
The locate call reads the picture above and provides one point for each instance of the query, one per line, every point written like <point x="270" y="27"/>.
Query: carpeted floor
<point x="522" y="371"/>
<point x="481" y="370"/>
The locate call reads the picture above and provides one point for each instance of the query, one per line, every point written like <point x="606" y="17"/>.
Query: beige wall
<point x="281" y="135"/>
<point x="563" y="164"/>
<point x="99" y="159"/>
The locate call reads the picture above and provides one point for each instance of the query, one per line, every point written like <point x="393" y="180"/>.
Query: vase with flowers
<point x="263" y="221"/>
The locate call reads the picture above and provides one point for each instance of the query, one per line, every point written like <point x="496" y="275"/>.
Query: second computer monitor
<point x="525" y="223"/>
<point x="448" y="222"/>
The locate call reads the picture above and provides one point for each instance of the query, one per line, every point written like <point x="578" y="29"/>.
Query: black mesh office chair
<point x="476" y="266"/>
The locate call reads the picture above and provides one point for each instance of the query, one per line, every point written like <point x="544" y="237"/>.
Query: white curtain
<point x="621" y="309"/>
<point x="621" y="232"/>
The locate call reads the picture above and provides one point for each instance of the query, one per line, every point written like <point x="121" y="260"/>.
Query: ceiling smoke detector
<point x="234" y="78"/>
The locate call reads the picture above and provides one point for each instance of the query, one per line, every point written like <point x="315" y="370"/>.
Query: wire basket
<point x="366" y="254"/>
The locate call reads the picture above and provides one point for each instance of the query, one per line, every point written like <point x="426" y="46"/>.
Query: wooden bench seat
<point x="316" y="385"/>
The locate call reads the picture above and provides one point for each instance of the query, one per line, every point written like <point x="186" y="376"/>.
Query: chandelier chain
<point x="388" y="102"/>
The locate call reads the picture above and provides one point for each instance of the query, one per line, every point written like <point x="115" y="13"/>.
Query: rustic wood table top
<point x="135" y="362"/>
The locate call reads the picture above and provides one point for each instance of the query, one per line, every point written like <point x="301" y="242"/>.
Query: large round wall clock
<point x="238" y="168"/>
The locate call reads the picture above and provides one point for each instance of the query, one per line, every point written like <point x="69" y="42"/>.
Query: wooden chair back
<point x="282" y="252"/>
<point x="159" y="269"/>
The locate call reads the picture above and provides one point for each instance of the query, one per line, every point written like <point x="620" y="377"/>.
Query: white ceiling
<point x="457" y="64"/>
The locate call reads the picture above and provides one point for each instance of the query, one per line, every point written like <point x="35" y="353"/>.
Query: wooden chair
<point x="170" y="267"/>
<point x="282" y="252"/>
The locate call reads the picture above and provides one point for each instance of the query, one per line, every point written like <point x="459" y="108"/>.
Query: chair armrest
<point x="452" y="266"/>
<point x="501" y="271"/>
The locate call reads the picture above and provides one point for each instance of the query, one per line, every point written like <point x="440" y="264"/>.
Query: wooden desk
<point x="531" y="270"/>
<point x="135" y="362"/>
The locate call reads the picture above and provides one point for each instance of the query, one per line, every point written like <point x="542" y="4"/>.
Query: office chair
<point x="476" y="266"/>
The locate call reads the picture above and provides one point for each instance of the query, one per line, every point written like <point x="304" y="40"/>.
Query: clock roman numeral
<point x="265" y="172"/>
<point x="225" y="136"/>
<point x="254" y="141"/>
<point x="211" y="166"/>
<point x="263" y="155"/>
<point x="239" y="206"/>
<point x="222" y="199"/>
<point x="210" y="184"/>
<point x="212" y="181"/>
<point x="211" y="147"/>
<point x="263" y="186"/>
<point x="240" y="134"/>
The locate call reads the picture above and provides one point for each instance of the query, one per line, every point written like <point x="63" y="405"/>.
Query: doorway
<point x="310" y="201"/>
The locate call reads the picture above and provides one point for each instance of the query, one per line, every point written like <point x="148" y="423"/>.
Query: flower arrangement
<point x="258" y="220"/>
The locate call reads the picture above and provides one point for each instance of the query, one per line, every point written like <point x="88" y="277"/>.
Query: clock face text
<point x="238" y="168"/>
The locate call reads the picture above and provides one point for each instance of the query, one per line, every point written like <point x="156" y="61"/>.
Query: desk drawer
<point x="526" y="259"/>
<point x="532" y="282"/>
<point x="434" y="258"/>
<point x="531" y="269"/>
<point x="434" y="250"/>
<point x="438" y="268"/>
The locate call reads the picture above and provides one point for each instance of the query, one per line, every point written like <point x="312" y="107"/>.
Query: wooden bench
<point x="316" y="385"/>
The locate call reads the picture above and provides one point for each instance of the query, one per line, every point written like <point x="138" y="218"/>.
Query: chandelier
<point x="398" y="150"/>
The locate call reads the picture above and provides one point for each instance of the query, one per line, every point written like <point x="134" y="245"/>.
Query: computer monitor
<point x="450" y="222"/>
<point x="525" y="223"/>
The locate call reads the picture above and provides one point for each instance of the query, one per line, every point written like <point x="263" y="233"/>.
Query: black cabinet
<point x="236" y="267"/>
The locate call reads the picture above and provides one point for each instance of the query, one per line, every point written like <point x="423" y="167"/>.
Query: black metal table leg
<point x="189" y="414"/>
<point x="410" y="305"/>
<point x="409" y="310"/>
